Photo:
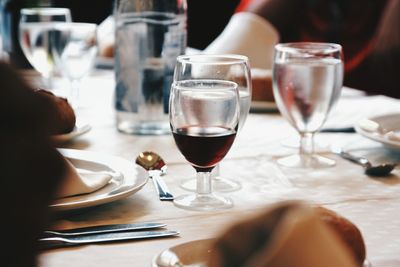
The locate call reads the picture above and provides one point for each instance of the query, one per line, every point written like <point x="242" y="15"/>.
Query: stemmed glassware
<point x="75" y="52"/>
<point x="234" y="68"/>
<point x="204" y="115"/>
<point x="36" y="29"/>
<point x="307" y="80"/>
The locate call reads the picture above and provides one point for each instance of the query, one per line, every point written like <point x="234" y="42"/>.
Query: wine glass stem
<point x="203" y="183"/>
<point x="306" y="144"/>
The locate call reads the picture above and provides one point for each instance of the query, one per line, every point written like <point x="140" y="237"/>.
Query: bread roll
<point x="248" y="241"/>
<point x="107" y="50"/>
<point x="261" y="81"/>
<point x="347" y="232"/>
<point x="64" y="115"/>
<point x="262" y="85"/>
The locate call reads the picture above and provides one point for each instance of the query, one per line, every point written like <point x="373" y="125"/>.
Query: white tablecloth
<point x="371" y="203"/>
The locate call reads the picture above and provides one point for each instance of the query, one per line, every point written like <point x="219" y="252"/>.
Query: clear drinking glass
<point x="75" y="50"/>
<point x="307" y="80"/>
<point x="36" y="29"/>
<point x="235" y="68"/>
<point x="204" y="116"/>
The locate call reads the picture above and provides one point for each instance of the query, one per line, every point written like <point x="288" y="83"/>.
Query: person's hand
<point x="30" y="166"/>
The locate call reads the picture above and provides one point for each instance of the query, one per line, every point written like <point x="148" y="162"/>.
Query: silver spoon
<point x="156" y="167"/>
<point x="372" y="170"/>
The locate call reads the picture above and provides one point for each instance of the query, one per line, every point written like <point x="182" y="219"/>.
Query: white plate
<point x="381" y="129"/>
<point x="193" y="254"/>
<point x="263" y="106"/>
<point x="77" y="131"/>
<point x="128" y="178"/>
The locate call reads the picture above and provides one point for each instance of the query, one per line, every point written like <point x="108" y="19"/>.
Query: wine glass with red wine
<point x="204" y="117"/>
<point x="234" y="68"/>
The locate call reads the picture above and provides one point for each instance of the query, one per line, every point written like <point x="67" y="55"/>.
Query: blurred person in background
<point x="86" y="11"/>
<point x="207" y="19"/>
<point x="200" y="14"/>
<point x="368" y="30"/>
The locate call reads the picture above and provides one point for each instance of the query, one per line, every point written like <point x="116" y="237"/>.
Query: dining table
<point x="371" y="203"/>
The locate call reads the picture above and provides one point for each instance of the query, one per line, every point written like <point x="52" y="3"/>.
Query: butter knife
<point x="103" y="229"/>
<point x="56" y="241"/>
<point x="338" y="130"/>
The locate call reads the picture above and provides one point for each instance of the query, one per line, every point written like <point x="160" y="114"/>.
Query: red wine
<point x="204" y="147"/>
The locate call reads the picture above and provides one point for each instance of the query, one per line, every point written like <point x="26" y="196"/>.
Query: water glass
<point x="36" y="31"/>
<point x="307" y="80"/>
<point x="75" y="50"/>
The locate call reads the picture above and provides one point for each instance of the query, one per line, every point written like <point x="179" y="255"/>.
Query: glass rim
<point x="319" y="47"/>
<point x="180" y="85"/>
<point x="45" y="11"/>
<point x="199" y="59"/>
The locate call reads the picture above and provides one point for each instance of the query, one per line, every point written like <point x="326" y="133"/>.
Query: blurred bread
<point x="63" y="115"/>
<point x="347" y="231"/>
<point x="107" y="50"/>
<point x="249" y="241"/>
<point x="262" y="85"/>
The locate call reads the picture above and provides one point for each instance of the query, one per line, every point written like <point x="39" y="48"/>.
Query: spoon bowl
<point x="155" y="165"/>
<point x="151" y="161"/>
<point x="380" y="170"/>
<point x="371" y="170"/>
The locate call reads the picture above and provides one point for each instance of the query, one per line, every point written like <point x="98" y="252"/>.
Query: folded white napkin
<point x="77" y="182"/>
<point x="250" y="35"/>
<point x="285" y="236"/>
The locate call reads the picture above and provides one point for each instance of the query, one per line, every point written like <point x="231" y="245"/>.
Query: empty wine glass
<point x="234" y="68"/>
<point x="307" y="80"/>
<point x="204" y="116"/>
<point x="36" y="30"/>
<point x="75" y="50"/>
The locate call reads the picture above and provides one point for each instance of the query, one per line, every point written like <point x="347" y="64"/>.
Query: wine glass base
<point x="295" y="143"/>
<point x="219" y="184"/>
<point x="197" y="202"/>
<point x="301" y="162"/>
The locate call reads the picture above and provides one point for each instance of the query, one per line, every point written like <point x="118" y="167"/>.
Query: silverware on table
<point x="372" y="170"/>
<point x="156" y="167"/>
<point x="112" y="228"/>
<point x="56" y="241"/>
<point x="338" y="130"/>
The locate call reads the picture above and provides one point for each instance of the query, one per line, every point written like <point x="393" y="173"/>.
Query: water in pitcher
<point x="147" y="46"/>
